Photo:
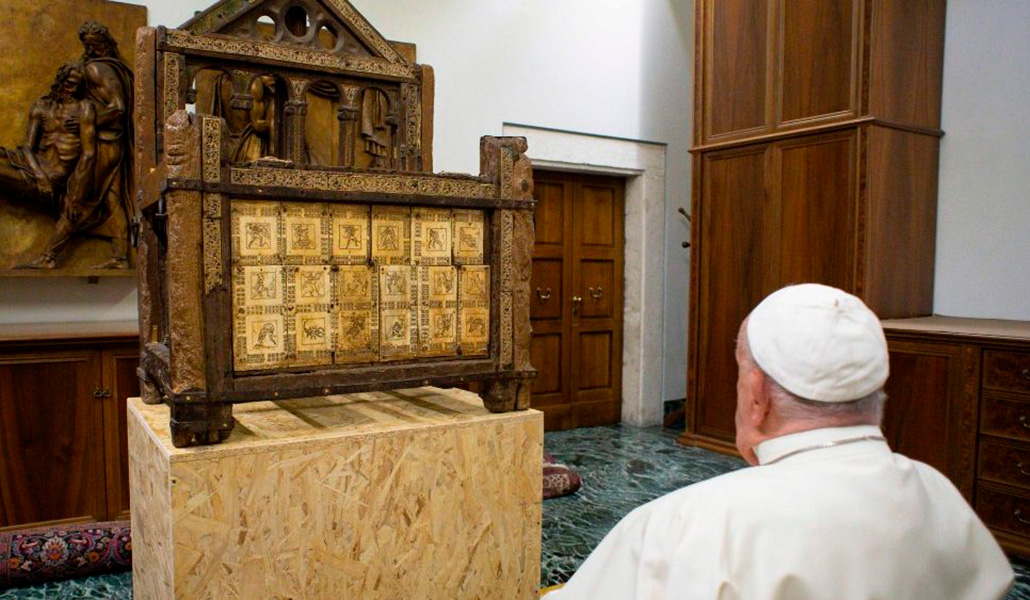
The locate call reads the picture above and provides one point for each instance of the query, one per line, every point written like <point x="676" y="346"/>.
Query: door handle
<point x="596" y="294"/>
<point x="100" y="394"/>
<point x="544" y="296"/>
<point x="577" y="299"/>
<point x="575" y="303"/>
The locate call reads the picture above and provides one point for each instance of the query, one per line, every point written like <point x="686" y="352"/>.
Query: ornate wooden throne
<point x="293" y="240"/>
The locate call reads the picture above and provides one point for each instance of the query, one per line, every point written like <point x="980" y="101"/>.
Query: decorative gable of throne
<point x="305" y="81"/>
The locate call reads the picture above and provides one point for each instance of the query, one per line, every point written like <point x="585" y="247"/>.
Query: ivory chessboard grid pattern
<point x="322" y="284"/>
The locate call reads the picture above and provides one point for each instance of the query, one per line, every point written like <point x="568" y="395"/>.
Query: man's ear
<point x="759" y="400"/>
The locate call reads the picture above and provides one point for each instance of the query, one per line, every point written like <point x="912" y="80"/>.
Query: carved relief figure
<point x="476" y="326"/>
<point x="388" y="238"/>
<point x="350" y="237"/>
<point x="266" y="336"/>
<point x="437" y="239"/>
<point x="303" y="236"/>
<point x="262" y="286"/>
<point x="314" y="330"/>
<point x="312" y="285"/>
<point x="468" y="240"/>
<point x="396" y="284"/>
<point x="477" y="284"/>
<point x="55" y="167"/>
<point x="396" y="331"/>
<point x="356" y="328"/>
<point x="443" y="283"/>
<point x="354" y="284"/>
<point x="443" y="326"/>
<point x="259" y="236"/>
<point x="375" y="127"/>
<point x="256" y="138"/>
<point x="109" y="207"/>
<point x="93" y="173"/>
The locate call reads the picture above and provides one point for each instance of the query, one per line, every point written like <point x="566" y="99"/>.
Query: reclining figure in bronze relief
<point x="76" y="160"/>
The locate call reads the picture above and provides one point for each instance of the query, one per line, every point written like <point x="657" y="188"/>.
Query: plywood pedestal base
<point x="411" y="494"/>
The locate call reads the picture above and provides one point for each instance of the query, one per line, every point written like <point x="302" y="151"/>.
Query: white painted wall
<point x="983" y="223"/>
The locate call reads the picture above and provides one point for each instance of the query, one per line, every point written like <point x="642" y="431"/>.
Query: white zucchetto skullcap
<point x="819" y="343"/>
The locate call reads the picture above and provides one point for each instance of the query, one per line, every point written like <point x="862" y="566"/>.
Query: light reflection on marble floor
<point x="621" y="468"/>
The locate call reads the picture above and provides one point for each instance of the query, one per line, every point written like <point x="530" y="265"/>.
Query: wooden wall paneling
<point x="120" y="383"/>
<point x="51" y="438"/>
<point x="817" y="66"/>
<point x="901" y="222"/>
<point x="817" y="190"/>
<point x="930" y="413"/>
<point x="735" y="67"/>
<point x="906" y="62"/>
<point x="737" y="233"/>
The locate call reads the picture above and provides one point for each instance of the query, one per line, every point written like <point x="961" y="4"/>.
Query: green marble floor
<point x="621" y="468"/>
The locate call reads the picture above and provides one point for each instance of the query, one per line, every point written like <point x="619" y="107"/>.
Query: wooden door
<point x="120" y="384"/>
<point x="51" y="438"/>
<point x="576" y="299"/>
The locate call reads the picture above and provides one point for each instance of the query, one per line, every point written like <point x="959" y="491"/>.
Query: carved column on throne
<point x="296" y="118"/>
<point x="349" y="113"/>
<point x="393" y="121"/>
<point x="503" y="160"/>
<point x="378" y="124"/>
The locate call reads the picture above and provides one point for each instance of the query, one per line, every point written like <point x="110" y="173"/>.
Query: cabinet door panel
<point x="930" y="413"/>
<point x="817" y="195"/>
<point x="817" y="59"/>
<point x="121" y="382"/>
<point x="735" y="274"/>
<point x="51" y="439"/>
<point x="736" y="65"/>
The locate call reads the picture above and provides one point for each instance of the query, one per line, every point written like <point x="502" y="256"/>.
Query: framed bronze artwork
<point x="67" y="201"/>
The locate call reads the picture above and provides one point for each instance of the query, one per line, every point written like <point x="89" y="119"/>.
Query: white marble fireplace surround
<point x="643" y="166"/>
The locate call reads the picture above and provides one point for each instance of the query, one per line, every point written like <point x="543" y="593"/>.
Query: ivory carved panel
<point x="318" y="284"/>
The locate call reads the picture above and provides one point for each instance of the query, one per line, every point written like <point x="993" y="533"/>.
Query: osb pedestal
<point x="410" y="494"/>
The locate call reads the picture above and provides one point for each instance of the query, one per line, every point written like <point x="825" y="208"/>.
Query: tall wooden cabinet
<point x="815" y="155"/>
<point x="63" y="452"/>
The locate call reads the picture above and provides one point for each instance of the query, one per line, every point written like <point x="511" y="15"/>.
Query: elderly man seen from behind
<point x="827" y="510"/>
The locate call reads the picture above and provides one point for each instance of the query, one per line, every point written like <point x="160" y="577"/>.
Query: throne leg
<point x="148" y="390"/>
<point x="500" y="396"/>
<point x="198" y="424"/>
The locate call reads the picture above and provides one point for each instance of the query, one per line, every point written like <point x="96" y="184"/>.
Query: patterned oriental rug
<point x="52" y="553"/>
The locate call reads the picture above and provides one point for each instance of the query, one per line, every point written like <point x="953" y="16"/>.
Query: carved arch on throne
<point x="333" y="26"/>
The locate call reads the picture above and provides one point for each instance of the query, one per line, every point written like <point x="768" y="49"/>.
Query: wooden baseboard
<point x="709" y="443"/>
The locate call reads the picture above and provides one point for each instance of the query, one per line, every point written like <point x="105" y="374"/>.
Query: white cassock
<point x="852" y="521"/>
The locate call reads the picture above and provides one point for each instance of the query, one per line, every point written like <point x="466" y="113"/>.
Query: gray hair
<point x="867" y="410"/>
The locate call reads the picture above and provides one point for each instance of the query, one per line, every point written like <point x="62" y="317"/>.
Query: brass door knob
<point x="577" y="299"/>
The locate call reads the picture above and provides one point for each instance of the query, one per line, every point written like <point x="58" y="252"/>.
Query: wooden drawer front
<point x="1004" y="462"/>
<point x="1003" y="510"/>
<point x="1008" y="371"/>
<point x="1005" y="417"/>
